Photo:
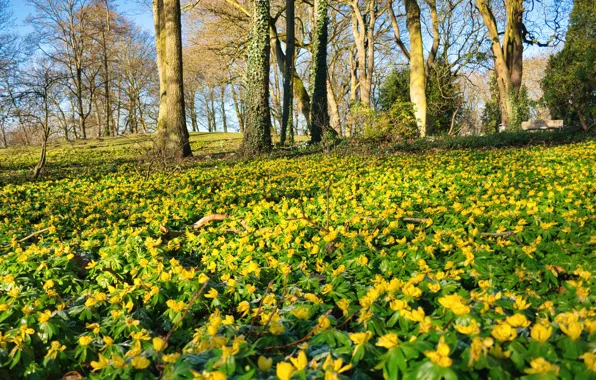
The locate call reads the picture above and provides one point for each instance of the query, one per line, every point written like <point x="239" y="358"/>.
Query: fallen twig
<point x="209" y="218"/>
<point x="505" y="235"/>
<point x="29" y="236"/>
<point x="416" y="220"/>
<point x="301" y="340"/>
<point x="194" y="298"/>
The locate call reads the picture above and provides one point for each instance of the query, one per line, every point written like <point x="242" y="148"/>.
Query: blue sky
<point x="141" y="15"/>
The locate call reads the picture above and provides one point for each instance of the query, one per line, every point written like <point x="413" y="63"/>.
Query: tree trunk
<point x="333" y="109"/>
<point x="511" y="54"/>
<point x="3" y="129"/>
<point x="79" y="85"/>
<point x="238" y="109"/>
<point x="318" y="74"/>
<point x="513" y="43"/>
<point x="288" y="96"/>
<point x="257" y="134"/>
<point x="300" y="93"/>
<point x="173" y="135"/>
<point x="417" y="72"/>
<point x="192" y="112"/>
<point x="212" y="108"/>
<point x="224" y="118"/>
<point x="41" y="163"/>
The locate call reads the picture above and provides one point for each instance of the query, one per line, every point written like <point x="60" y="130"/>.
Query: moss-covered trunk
<point x="257" y="134"/>
<point x="288" y="96"/>
<point x="319" y="123"/>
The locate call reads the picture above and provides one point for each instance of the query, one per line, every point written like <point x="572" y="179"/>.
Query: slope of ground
<point x="463" y="264"/>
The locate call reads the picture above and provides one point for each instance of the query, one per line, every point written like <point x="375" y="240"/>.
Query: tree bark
<point x="224" y="118"/>
<point x="417" y="71"/>
<point x="257" y="134"/>
<point x="173" y="135"/>
<point x="318" y="73"/>
<point x="288" y="96"/>
<point x="509" y="57"/>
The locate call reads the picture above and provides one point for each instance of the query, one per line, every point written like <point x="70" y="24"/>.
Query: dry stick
<point x="303" y="339"/>
<point x="306" y="218"/>
<point x="260" y="305"/>
<point x="209" y="218"/>
<point x="194" y="298"/>
<point x="416" y="220"/>
<point x="348" y="319"/>
<point x="505" y="234"/>
<point x="29" y="236"/>
<point x="327" y="204"/>
<point x="281" y="300"/>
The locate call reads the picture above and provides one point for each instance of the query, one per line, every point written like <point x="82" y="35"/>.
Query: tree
<point x="173" y="137"/>
<point x="63" y="25"/>
<point x="569" y="84"/>
<point x="508" y="49"/>
<point x="257" y="133"/>
<point x="318" y="74"/>
<point x="417" y="71"/>
<point x="288" y="81"/>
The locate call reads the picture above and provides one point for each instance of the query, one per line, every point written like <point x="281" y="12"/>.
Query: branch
<point x="30" y="236"/>
<point x="505" y="235"/>
<point x="209" y="218"/>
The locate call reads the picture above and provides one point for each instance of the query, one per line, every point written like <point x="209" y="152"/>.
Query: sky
<point x="133" y="9"/>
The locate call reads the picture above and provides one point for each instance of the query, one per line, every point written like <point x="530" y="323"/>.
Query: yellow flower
<point x="171" y="358"/>
<point x="300" y="362"/>
<point x="323" y="323"/>
<point x="572" y="330"/>
<point x="85" y="340"/>
<point x="388" y="341"/>
<point x="212" y="293"/>
<point x="518" y="320"/>
<point x="101" y="364"/>
<point x="118" y="361"/>
<point x="540" y="365"/>
<point x="55" y="348"/>
<point x="441" y="354"/>
<point x="434" y="287"/>
<point x="300" y="313"/>
<point x="590" y="361"/>
<point x="503" y="332"/>
<point x="45" y="316"/>
<point x="203" y="278"/>
<point x="159" y="344"/>
<point x="541" y="332"/>
<point x="327" y="288"/>
<point x="343" y="305"/>
<point x="397" y="305"/>
<point x="140" y="362"/>
<point x="411" y="290"/>
<point x="284" y="371"/>
<point x="264" y="363"/>
<point x="244" y="308"/>
<point x="360" y="339"/>
<point x="334" y="367"/>
<point x="175" y="305"/>
<point x="471" y="328"/>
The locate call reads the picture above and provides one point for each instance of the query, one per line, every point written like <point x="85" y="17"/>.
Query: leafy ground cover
<point x="458" y="264"/>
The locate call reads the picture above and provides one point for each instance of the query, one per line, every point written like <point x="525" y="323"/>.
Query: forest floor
<point x="453" y="263"/>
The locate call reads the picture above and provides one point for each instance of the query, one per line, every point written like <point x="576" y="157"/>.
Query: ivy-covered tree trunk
<point x="257" y="134"/>
<point x="417" y="71"/>
<point x="319" y="123"/>
<point x="173" y="137"/>
<point x="288" y="96"/>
